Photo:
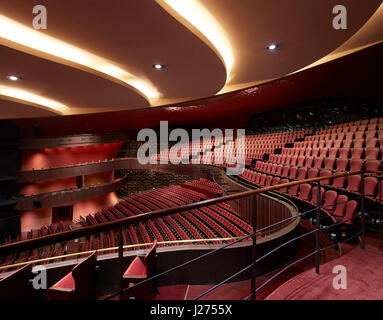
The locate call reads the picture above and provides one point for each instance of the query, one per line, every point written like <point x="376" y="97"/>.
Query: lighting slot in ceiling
<point x="14" y="32"/>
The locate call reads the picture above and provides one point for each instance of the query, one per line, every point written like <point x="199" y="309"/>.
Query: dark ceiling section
<point x="133" y="35"/>
<point x="66" y="84"/>
<point x="355" y="76"/>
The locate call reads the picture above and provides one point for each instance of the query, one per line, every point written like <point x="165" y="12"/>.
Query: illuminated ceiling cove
<point x="93" y="59"/>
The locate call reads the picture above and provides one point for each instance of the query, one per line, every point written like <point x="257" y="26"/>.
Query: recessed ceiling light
<point x="272" y="47"/>
<point x="13" y="78"/>
<point x="158" y="66"/>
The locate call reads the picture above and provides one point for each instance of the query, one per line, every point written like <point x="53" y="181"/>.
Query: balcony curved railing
<point x="119" y="224"/>
<point x="57" y="198"/>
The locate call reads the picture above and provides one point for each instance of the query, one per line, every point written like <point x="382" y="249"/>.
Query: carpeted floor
<point x="364" y="279"/>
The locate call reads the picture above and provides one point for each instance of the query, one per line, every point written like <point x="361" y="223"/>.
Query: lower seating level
<point x="213" y="222"/>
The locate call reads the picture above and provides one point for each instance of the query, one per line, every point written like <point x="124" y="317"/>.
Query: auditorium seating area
<point x="216" y="221"/>
<point x="271" y="159"/>
<point x="351" y="146"/>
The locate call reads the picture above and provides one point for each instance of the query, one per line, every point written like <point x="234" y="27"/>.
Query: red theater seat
<point x="356" y="164"/>
<point x="373" y="165"/>
<point x="284" y="189"/>
<point x="309" y="162"/>
<point x="323" y="152"/>
<point x="370" y="186"/>
<point x="358" y="143"/>
<point x="313" y="173"/>
<point x="294" y="191"/>
<point x="370" y="134"/>
<point x="294" y="160"/>
<point x="262" y="181"/>
<point x="79" y="284"/>
<point x="315" y="152"/>
<point x="342" y="164"/>
<point x="353" y="183"/>
<point x="314" y="195"/>
<point x="324" y="173"/>
<point x="343" y="153"/>
<point x="349" y="136"/>
<point x="347" y="143"/>
<point x="293" y="172"/>
<point x="329" y="201"/>
<point x="142" y="267"/>
<point x="371" y="142"/>
<point x="278" y="170"/>
<point x="339" y="212"/>
<point x="350" y="212"/>
<point x="372" y="153"/>
<point x="329" y="163"/>
<point x="318" y="162"/>
<point x="285" y="171"/>
<point x="305" y="191"/>
<point x="301" y="161"/>
<point x="268" y="181"/>
<point x="275" y="181"/>
<point x="356" y="153"/>
<point x="359" y="135"/>
<point x="339" y="182"/>
<point x="333" y="152"/>
<point x="338" y="144"/>
<point x="302" y="173"/>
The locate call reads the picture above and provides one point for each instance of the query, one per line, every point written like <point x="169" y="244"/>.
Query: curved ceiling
<point x="357" y="75"/>
<point x="218" y="48"/>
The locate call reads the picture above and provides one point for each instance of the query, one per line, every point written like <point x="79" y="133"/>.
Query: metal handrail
<point x="27" y="244"/>
<point x="268" y="254"/>
<point x="137" y="245"/>
<point x="86" y="231"/>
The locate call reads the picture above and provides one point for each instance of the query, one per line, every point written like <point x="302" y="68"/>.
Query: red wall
<point x="83" y="208"/>
<point x="47" y="158"/>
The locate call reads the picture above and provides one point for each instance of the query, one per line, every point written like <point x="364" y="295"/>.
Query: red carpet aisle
<point x="364" y="279"/>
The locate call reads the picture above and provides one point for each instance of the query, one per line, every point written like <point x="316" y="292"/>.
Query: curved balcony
<point x="58" y="198"/>
<point x="72" y="141"/>
<point x="83" y="169"/>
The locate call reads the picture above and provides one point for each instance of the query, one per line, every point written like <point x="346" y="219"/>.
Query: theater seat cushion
<point x="136" y="270"/>
<point x="65" y="284"/>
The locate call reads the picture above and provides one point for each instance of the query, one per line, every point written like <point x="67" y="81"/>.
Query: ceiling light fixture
<point x="158" y="66"/>
<point x="12" y="77"/>
<point x="272" y="47"/>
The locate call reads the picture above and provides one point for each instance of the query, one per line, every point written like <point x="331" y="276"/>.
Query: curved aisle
<point x="364" y="279"/>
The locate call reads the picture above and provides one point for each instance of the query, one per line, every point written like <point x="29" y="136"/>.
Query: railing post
<point x="362" y="208"/>
<point x="317" y="233"/>
<point x="380" y="211"/>
<point x="254" y="251"/>
<point x="120" y="262"/>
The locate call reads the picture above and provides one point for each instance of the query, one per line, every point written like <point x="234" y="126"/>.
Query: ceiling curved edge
<point x="203" y="24"/>
<point x="370" y="34"/>
<point x="17" y="36"/>
<point x="358" y="41"/>
<point x="33" y="102"/>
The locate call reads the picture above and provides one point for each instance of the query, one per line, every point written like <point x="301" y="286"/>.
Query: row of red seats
<point x="351" y="183"/>
<point x="339" y="164"/>
<point x="371" y="142"/>
<point x="204" y="186"/>
<point x="341" y="153"/>
<point x="306" y="192"/>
